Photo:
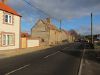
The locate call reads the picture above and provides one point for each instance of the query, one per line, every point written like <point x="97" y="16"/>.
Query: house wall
<point x="57" y="36"/>
<point x="65" y="36"/>
<point x="15" y="29"/>
<point x="52" y="38"/>
<point x="40" y="30"/>
<point x="0" y="39"/>
<point x="32" y="43"/>
<point x="62" y="36"/>
<point x="70" y="38"/>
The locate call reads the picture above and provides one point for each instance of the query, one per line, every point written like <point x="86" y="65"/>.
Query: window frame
<point x="10" y="18"/>
<point x="7" y="40"/>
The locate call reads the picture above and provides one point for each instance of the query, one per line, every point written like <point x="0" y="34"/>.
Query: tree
<point x="74" y="33"/>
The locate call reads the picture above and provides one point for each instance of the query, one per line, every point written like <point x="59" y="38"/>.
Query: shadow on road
<point x="90" y="54"/>
<point x="93" y="55"/>
<point x="76" y="50"/>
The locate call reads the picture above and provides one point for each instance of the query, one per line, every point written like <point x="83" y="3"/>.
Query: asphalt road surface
<point x="60" y="60"/>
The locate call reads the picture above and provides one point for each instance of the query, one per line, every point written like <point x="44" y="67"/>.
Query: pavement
<point x="59" y="60"/>
<point x="91" y="64"/>
<point x="17" y="52"/>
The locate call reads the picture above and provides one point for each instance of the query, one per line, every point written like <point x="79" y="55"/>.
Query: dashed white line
<point x="29" y="64"/>
<point x="51" y="54"/>
<point x="17" y="69"/>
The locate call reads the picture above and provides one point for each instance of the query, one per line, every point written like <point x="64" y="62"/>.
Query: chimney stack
<point x="48" y="20"/>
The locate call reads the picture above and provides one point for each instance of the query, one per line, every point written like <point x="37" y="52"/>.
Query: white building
<point x="9" y="28"/>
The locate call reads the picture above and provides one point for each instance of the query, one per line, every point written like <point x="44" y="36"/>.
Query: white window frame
<point x="7" y="40"/>
<point x="9" y="18"/>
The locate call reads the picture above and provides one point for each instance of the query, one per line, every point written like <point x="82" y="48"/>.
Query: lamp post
<point x="60" y="25"/>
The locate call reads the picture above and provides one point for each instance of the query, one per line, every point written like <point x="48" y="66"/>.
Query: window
<point x="8" y="19"/>
<point x="11" y="40"/>
<point x="4" y="39"/>
<point x="8" y="39"/>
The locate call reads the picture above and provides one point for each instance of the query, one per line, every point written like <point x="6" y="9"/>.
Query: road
<point x="60" y="60"/>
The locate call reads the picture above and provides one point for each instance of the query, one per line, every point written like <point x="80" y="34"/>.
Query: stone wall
<point x="40" y="30"/>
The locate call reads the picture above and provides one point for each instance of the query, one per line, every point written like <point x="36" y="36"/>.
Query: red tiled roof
<point x="8" y="9"/>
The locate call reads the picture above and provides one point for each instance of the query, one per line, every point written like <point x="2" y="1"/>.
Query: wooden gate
<point x="23" y="42"/>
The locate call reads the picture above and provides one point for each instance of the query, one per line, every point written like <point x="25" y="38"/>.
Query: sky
<point x="74" y="14"/>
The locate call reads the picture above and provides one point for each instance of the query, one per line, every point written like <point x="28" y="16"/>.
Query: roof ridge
<point x="52" y="26"/>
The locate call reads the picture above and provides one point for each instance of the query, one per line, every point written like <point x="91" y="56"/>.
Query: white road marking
<point x="51" y="54"/>
<point x="17" y="69"/>
<point x="81" y="64"/>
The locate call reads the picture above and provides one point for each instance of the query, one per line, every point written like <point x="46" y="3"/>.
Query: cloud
<point x="58" y="8"/>
<point x="28" y="12"/>
<point x="67" y="8"/>
<point x="86" y="30"/>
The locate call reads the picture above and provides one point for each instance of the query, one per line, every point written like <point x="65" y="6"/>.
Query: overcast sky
<point x="75" y="13"/>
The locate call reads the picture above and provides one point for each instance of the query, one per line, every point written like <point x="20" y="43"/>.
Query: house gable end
<point x="39" y="26"/>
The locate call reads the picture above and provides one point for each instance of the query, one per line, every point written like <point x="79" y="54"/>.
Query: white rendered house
<point x="9" y="28"/>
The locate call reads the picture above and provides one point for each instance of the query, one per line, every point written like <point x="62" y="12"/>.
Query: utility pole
<point x="60" y="25"/>
<point x="91" y="28"/>
<point x="60" y="30"/>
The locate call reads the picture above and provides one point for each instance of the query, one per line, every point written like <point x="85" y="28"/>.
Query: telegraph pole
<point x="60" y="30"/>
<point x="91" y="28"/>
<point x="60" y="25"/>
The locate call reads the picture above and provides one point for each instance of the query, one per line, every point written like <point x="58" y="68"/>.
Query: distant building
<point x="9" y="28"/>
<point x="66" y="36"/>
<point x="74" y="35"/>
<point x="46" y="31"/>
<point x="49" y="33"/>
